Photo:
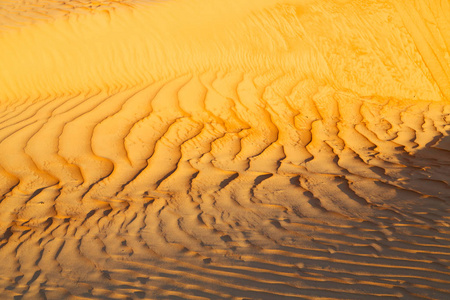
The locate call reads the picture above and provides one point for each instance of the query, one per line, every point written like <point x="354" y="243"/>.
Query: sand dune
<point x="273" y="149"/>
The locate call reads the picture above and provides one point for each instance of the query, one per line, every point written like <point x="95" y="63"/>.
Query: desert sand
<point x="224" y="149"/>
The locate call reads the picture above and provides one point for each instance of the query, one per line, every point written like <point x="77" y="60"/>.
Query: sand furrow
<point x="208" y="150"/>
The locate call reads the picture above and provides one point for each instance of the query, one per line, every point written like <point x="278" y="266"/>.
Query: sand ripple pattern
<point x="170" y="191"/>
<point x="220" y="184"/>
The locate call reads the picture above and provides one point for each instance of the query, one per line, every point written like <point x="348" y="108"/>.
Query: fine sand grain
<point x="208" y="149"/>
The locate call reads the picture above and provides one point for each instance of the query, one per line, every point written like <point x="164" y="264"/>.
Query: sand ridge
<point x="196" y="150"/>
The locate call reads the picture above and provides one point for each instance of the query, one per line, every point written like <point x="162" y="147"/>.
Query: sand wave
<point x="219" y="169"/>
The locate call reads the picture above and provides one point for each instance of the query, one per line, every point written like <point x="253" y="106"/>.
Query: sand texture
<point x="224" y="149"/>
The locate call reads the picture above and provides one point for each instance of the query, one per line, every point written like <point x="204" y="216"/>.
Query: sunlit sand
<point x="207" y="149"/>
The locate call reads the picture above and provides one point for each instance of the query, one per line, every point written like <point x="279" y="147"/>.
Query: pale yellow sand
<point x="206" y="149"/>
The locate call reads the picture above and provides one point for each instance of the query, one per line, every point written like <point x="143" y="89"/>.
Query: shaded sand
<point x="224" y="149"/>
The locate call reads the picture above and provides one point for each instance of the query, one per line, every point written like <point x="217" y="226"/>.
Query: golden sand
<point x="207" y="149"/>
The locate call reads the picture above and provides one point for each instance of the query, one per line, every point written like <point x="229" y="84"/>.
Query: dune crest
<point x="224" y="149"/>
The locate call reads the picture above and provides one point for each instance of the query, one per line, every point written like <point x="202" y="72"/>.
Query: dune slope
<point x="271" y="149"/>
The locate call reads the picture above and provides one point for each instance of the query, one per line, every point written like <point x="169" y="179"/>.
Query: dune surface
<point x="207" y="149"/>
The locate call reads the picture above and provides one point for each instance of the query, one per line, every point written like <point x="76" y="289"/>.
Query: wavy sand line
<point x="250" y="151"/>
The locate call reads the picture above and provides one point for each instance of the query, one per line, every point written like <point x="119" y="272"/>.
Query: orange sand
<point x="207" y="149"/>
